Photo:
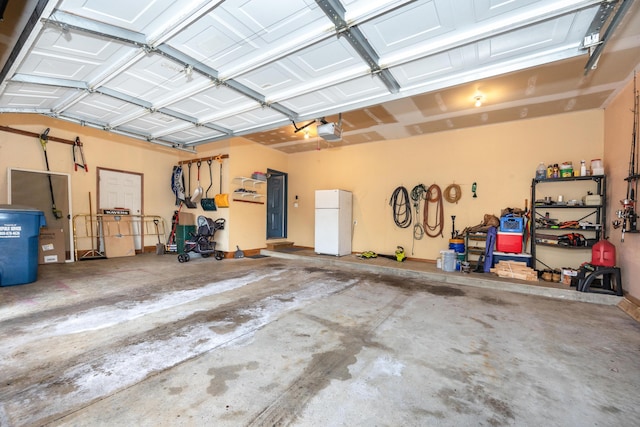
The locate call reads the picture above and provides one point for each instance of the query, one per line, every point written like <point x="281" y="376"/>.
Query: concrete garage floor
<point x="146" y="341"/>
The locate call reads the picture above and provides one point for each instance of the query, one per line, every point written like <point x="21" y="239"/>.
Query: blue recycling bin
<point x="19" y="239"/>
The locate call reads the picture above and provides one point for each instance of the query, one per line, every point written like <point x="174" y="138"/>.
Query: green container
<point x="182" y="235"/>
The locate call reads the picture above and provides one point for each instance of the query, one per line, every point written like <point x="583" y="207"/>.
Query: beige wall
<point x="618" y="137"/>
<point x="112" y="151"/>
<point x="101" y="149"/>
<point x="501" y="159"/>
<point x="246" y="222"/>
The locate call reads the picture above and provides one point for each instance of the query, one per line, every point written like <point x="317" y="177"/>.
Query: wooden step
<point x="278" y="245"/>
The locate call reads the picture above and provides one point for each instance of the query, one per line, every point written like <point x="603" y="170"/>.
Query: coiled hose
<point x="452" y="193"/>
<point x="401" y="207"/>
<point x="418" y="194"/>
<point x="434" y="195"/>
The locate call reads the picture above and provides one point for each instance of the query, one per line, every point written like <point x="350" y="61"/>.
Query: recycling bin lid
<point x="20" y="209"/>
<point x="15" y="211"/>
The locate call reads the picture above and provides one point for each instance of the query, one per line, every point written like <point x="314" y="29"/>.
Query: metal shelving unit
<point x="583" y="212"/>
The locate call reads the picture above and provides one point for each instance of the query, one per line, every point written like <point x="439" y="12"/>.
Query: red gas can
<point x="603" y="254"/>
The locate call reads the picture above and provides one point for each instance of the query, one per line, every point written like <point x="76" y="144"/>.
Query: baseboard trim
<point x="631" y="306"/>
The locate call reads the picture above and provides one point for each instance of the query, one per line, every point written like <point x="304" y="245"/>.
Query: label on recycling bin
<point x="10" y="231"/>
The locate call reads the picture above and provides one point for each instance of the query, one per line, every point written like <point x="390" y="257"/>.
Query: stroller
<point x="202" y="242"/>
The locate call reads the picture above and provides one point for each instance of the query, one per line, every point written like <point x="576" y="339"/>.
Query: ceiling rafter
<point x="66" y="21"/>
<point x="189" y="73"/>
<point x="336" y="13"/>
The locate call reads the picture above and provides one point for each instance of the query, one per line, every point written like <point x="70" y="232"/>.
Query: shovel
<point x="207" y="203"/>
<point x="159" y="246"/>
<point x="197" y="194"/>
<point x="238" y="253"/>
<point x="222" y="200"/>
<point x="187" y="200"/>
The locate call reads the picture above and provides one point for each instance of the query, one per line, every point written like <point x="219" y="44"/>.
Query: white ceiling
<point x="189" y="72"/>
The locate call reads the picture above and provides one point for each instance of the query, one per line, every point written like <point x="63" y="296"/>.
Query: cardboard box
<point x="568" y="276"/>
<point x="51" y="248"/>
<point x="186" y="218"/>
<point x="119" y="246"/>
<point x="118" y="236"/>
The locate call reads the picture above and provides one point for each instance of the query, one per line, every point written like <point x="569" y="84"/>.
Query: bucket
<point x="457" y="245"/>
<point x="449" y="261"/>
<point x="603" y="253"/>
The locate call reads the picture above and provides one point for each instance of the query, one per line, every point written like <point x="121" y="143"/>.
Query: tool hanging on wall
<point x="629" y="214"/>
<point x="187" y="201"/>
<point x="452" y="193"/>
<point x="207" y="203"/>
<point x="44" y="136"/>
<point x="177" y="184"/>
<point x="401" y="207"/>
<point x="418" y="194"/>
<point x="197" y="194"/>
<point x="78" y="153"/>
<point x="474" y="187"/>
<point x="434" y="195"/>
<point x="222" y="200"/>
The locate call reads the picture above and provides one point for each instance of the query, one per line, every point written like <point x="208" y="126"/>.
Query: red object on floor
<point x="603" y="253"/>
<point x="509" y="242"/>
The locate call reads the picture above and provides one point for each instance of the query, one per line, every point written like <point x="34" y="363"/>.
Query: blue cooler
<point x="19" y="239"/>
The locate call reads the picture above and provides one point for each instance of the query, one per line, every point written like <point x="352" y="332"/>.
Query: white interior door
<point x="118" y="189"/>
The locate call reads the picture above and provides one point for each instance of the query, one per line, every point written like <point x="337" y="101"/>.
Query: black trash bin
<point x="19" y="234"/>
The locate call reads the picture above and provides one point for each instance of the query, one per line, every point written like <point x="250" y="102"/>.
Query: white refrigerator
<point x="333" y="222"/>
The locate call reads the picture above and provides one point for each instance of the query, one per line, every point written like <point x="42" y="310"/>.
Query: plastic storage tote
<point x="19" y="234"/>
<point x="512" y="224"/>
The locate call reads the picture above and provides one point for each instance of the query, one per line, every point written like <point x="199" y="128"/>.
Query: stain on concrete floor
<point x="148" y="341"/>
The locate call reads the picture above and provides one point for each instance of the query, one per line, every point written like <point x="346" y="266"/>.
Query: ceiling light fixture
<point x="306" y="134"/>
<point x="478" y="100"/>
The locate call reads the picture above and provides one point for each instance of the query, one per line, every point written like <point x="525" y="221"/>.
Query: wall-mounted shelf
<point x="248" y="195"/>
<point x="244" y="180"/>
<point x="248" y="201"/>
<point x="242" y="194"/>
